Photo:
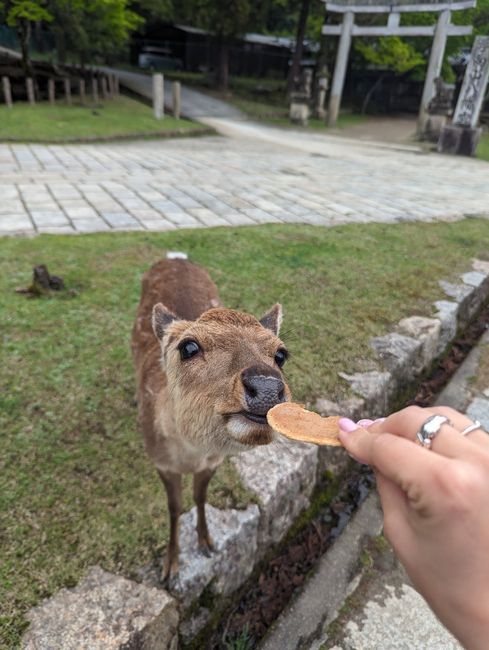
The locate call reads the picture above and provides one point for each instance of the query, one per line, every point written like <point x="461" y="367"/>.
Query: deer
<point x="206" y="377"/>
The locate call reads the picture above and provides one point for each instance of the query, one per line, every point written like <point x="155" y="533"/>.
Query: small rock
<point x="282" y="475"/>
<point x="104" y="612"/>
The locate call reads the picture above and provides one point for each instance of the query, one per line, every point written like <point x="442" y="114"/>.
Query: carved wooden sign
<point x="474" y="85"/>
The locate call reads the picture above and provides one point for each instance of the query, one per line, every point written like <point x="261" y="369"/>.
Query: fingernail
<point x="365" y="423"/>
<point x="347" y="425"/>
<point x="378" y="420"/>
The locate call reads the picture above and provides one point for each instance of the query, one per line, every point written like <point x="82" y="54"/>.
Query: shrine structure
<point x="394" y="8"/>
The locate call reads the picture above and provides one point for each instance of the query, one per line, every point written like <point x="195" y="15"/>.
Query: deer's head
<point x="224" y="373"/>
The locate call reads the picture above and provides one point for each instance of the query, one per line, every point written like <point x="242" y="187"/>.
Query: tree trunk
<point x="60" y="41"/>
<point x="295" y="70"/>
<point x="223" y="64"/>
<point x="368" y="96"/>
<point x="24" y="33"/>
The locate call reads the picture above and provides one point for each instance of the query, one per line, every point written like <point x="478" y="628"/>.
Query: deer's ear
<point x="162" y="317"/>
<point x="272" y="320"/>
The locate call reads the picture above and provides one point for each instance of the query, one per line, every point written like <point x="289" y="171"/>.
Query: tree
<point x="388" y="53"/>
<point x="87" y="30"/>
<point x="226" y="19"/>
<point x="20" y="14"/>
<point x="299" y="44"/>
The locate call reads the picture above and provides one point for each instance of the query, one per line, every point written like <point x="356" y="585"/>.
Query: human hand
<point x="436" y="511"/>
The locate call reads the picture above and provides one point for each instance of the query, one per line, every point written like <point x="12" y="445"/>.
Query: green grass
<point x="119" y="117"/>
<point x="76" y="488"/>
<point x="483" y="148"/>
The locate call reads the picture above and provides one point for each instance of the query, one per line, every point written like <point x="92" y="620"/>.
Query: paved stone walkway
<point x="260" y="175"/>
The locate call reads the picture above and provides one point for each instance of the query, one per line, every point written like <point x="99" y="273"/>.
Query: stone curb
<point x="404" y="355"/>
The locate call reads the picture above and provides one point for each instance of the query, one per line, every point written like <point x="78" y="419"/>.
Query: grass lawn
<point x="483" y="148"/>
<point x="117" y="117"/>
<point x="76" y="488"/>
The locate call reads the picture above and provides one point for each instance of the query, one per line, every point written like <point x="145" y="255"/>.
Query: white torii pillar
<point x="434" y="66"/>
<point x="340" y="68"/>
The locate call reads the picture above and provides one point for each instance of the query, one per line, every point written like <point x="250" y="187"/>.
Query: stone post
<point x="462" y="136"/>
<point x="30" y="91"/>
<point x="51" y="91"/>
<point x="322" y="89"/>
<point x="434" y="67"/>
<point x="95" y="90"/>
<point x="7" y="92"/>
<point x="67" y="87"/>
<point x="82" y="91"/>
<point x="176" y="91"/>
<point x="340" y="68"/>
<point x="158" y="96"/>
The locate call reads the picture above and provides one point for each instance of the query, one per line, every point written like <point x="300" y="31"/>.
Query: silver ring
<point x="471" y="427"/>
<point x="430" y="428"/>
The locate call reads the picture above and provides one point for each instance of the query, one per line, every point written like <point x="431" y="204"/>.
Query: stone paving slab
<point x="213" y="181"/>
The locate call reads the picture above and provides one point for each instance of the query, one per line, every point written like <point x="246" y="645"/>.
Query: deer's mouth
<point x="254" y="417"/>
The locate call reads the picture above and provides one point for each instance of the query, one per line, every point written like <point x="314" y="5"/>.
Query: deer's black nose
<point x="263" y="389"/>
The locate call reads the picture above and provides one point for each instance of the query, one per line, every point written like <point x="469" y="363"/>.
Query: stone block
<point x="282" y="475"/>
<point x="474" y="278"/>
<point x="459" y="140"/>
<point x="468" y="296"/>
<point x="479" y="410"/>
<point x="104" y="612"/>
<point x="376" y="387"/>
<point x="447" y="315"/>
<point x="425" y="330"/>
<point x="482" y="266"/>
<point x="400" y="355"/>
<point x="235" y="536"/>
<point x="353" y="408"/>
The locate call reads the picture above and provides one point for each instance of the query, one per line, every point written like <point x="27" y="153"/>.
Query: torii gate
<point x="394" y="8"/>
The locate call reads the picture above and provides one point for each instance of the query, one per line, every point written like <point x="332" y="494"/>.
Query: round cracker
<point x="297" y="423"/>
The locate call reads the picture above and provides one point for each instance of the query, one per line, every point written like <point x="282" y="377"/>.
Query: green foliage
<point x="93" y="29"/>
<point x="226" y="18"/>
<point x="390" y="52"/>
<point x="30" y="10"/>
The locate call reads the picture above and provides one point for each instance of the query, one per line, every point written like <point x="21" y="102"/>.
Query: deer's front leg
<point x="201" y="481"/>
<point x="173" y="487"/>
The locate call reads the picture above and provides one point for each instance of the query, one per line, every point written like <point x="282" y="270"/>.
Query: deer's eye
<point x="281" y="357"/>
<point x="188" y="349"/>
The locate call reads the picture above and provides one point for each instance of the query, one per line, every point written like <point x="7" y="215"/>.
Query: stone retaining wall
<point x="282" y="476"/>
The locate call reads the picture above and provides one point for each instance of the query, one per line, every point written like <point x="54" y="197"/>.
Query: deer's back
<point x="184" y="288"/>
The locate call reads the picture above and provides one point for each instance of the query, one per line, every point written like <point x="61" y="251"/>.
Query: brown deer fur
<point x="195" y="411"/>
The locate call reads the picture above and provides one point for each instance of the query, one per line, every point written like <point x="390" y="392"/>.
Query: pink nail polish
<point x="365" y="423"/>
<point x="347" y="425"/>
<point x="378" y="420"/>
